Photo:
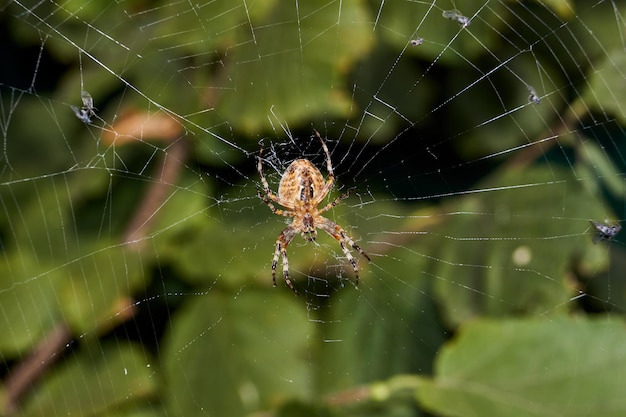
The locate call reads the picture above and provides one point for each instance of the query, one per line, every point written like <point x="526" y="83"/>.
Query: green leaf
<point x="513" y="251"/>
<point x="531" y="368"/>
<point x="184" y="209"/>
<point x="604" y="171"/>
<point x="361" y="330"/>
<point x="606" y="92"/>
<point x="232" y="246"/>
<point x="296" y="64"/>
<point x="28" y="302"/>
<point x="263" y="57"/>
<point x="231" y="355"/>
<point x="98" y="379"/>
<point x="96" y="292"/>
<point x="594" y="36"/>
<point x="496" y="134"/>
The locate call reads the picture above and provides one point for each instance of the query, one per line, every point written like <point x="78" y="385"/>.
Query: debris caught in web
<point x="457" y="16"/>
<point x="84" y="113"/>
<point x="605" y="231"/>
<point x="533" y="98"/>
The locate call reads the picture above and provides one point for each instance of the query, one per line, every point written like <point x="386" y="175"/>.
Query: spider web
<point x="477" y="139"/>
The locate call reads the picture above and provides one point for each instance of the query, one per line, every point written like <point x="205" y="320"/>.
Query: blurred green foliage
<point x="468" y="307"/>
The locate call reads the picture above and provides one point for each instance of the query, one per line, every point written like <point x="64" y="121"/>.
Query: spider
<point x="301" y="190"/>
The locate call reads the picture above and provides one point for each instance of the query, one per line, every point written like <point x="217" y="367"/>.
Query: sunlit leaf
<point x="564" y="8"/>
<point x="531" y="368"/>
<point x="308" y="59"/>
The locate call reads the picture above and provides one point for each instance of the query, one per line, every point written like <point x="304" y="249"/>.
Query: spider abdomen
<point x="302" y="181"/>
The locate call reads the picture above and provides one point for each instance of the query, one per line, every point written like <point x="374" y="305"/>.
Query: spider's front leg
<point x="334" y="202"/>
<point x="268" y="194"/>
<point x="281" y="249"/>
<point x="286" y="213"/>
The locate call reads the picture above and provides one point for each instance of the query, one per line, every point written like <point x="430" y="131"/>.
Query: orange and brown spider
<point x="302" y="188"/>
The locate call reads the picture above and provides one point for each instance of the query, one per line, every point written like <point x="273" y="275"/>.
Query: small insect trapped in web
<point x="301" y="190"/>
<point x="457" y="16"/>
<point x="81" y="114"/>
<point x="605" y="231"/>
<point x="533" y="98"/>
<point x="416" y="42"/>
<point x="85" y="113"/>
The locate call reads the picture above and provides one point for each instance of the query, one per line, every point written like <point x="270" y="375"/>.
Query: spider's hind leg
<point x="281" y="249"/>
<point x="341" y="236"/>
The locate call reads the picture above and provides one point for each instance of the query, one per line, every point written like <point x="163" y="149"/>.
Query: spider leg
<point x="329" y="167"/>
<point x="266" y="187"/>
<point x="280" y="212"/>
<point x="269" y="196"/>
<point x="334" y="202"/>
<point x="281" y="249"/>
<point x="341" y="236"/>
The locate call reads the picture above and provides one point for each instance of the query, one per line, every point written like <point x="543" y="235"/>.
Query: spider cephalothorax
<point x="302" y="188"/>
